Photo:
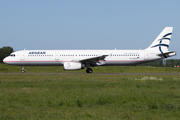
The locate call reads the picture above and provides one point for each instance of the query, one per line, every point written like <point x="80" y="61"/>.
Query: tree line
<point x="163" y="63"/>
<point x="5" y="51"/>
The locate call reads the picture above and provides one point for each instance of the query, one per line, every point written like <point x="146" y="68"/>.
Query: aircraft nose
<point x="5" y="60"/>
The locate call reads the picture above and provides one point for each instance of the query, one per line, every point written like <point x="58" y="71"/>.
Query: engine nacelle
<point x="73" y="66"/>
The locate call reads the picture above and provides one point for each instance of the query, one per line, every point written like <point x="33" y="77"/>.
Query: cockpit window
<point x="12" y="55"/>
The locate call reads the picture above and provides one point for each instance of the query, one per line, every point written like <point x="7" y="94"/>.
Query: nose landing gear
<point x="23" y="69"/>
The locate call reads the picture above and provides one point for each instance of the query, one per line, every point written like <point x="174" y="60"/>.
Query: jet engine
<point x="73" y="66"/>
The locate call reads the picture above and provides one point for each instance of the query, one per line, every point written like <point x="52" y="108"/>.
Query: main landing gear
<point x="23" y="69"/>
<point x="89" y="70"/>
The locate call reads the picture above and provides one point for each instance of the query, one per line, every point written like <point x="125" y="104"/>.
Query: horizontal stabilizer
<point x="167" y="54"/>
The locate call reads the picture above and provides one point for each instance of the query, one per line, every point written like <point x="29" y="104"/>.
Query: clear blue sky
<point x="87" y="24"/>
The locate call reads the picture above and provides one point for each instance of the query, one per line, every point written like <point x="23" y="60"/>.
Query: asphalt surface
<point x="90" y="73"/>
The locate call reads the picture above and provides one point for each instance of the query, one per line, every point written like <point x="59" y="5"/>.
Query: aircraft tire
<point x="23" y="71"/>
<point x="89" y="70"/>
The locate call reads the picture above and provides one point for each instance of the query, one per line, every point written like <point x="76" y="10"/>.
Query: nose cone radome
<point x="5" y="60"/>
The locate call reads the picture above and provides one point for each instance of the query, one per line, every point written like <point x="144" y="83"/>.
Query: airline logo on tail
<point x="160" y="41"/>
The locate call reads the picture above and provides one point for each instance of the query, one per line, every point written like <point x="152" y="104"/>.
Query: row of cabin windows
<point x="68" y="55"/>
<point x="113" y="55"/>
<point x="40" y="55"/>
<point x="79" y="55"/>
<point x="126" y="55"/>
<point x="110" y="55"/>
<point x="90" y="55"/>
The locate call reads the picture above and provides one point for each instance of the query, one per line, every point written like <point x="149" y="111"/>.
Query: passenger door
<point x="56" y="56"/>
<point x="22" y="55"/>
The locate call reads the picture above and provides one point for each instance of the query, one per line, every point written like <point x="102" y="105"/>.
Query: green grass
<point x="89" y="96"/>
<point x="102" y="69"/>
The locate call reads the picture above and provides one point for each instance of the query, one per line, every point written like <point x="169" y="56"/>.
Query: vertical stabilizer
<point x="161" y="43"/>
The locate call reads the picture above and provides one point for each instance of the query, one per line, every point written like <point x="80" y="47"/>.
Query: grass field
<point x="89" y="96"/>
<point x="102" y="69"/>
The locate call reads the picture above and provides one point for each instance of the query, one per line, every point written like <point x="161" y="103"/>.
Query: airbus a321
<point x="80" y="59"/>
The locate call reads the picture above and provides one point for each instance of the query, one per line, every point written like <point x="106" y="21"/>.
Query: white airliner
<point x="79" y="59"/>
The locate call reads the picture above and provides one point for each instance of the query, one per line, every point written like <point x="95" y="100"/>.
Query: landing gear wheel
<point x="89" y="70"/>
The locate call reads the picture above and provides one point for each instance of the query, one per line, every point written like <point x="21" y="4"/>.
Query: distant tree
<point x="1" y="56"/>
<point x="163" y="63"/>
<point x="4" y="52"/>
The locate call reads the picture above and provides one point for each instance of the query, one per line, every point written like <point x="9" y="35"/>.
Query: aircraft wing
<point x="93" y="59"/>
<point x="168" y="54"/>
